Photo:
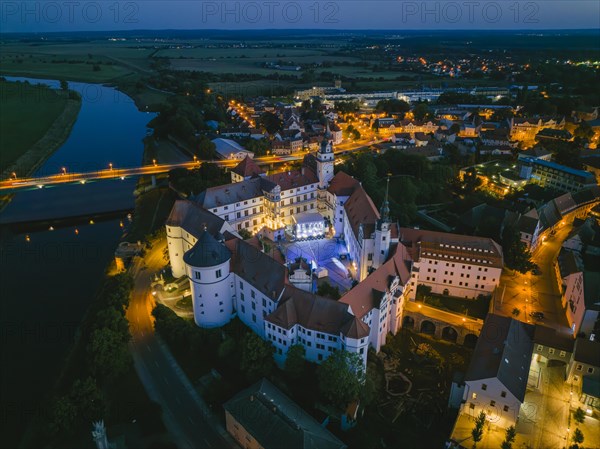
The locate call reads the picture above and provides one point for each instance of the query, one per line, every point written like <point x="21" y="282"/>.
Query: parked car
<point x="537" y="315"/>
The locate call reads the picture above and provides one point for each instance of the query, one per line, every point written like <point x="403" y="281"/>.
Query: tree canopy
<point x="516" y="255"/>
<point x="341" y="376"/>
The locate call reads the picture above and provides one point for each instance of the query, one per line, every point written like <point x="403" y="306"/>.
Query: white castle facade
<point x="232" y="277"/>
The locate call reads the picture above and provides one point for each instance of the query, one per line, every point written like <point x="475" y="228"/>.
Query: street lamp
<point x="64" y="170"/>
<point x="14" y="175"/>
<point x="110" y="165"/>
<point x="154" y="162"/>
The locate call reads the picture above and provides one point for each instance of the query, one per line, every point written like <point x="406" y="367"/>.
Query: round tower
<point x="207" y="267"/>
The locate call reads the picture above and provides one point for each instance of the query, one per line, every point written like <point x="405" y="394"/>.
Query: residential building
<point x="262" y="417"/>
<point x="584" y="373"/>
<point x="569" y="270"/>
<point x="496" y="379"/>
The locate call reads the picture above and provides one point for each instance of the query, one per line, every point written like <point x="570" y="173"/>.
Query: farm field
<point x="33" y="110"/>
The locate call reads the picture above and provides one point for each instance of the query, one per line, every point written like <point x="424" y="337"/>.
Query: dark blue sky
<point x="82" y="15"/>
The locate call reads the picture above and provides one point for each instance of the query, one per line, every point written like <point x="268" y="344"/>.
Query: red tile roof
<point x="248" y="168"/>
<point x="361" y="210"/>
<point x="343" y="184"/>
<point x="367" y="295"/>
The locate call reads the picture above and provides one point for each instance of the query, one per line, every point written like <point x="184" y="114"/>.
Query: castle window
<point x="197" y="275"/>
<point x="218" y="274"/>
<point x="506" y="408"/>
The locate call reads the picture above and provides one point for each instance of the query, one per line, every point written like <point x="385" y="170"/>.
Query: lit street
<point x="530" y="293"/>
<point x="185" y="415"/>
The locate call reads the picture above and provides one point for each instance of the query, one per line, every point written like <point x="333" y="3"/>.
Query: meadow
<point x="27" y="112"/>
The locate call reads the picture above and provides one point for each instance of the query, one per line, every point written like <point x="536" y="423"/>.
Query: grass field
<point x="26" y="113"/>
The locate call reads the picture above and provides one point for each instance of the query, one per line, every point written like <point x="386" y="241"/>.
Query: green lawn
<point x="26" y="113"/>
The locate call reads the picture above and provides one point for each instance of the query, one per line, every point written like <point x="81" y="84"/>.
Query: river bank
<point x="50" y="277"/>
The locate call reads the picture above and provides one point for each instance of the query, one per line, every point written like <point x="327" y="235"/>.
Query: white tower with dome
<point x="212" y="284"/>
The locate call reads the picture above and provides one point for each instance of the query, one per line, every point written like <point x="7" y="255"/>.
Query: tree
<point x="295" y="363"/>
<point x="516" y="311"/>
<point x="108" y="353"/>
<point x="477" y="432"/>
<point x="270" y="122"/>
<point x="511" y="434"/>
<point x="516" y="255"/>
<point x="88" y="399"/>
<point x="579" y="415"/>
<point x="421" y="111"/>
<point x="341" y="376"/>
<point x="578" y="436"/>
<point x="392" y="106"/>
<point x="257" y="357"/>
<point x="64" y="415"/>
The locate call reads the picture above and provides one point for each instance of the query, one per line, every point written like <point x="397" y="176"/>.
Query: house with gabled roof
<point x="497" y="377"/>
<point x="261" y="416"/>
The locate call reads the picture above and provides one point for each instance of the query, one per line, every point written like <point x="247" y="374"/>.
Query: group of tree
<point x="414" y="180"/>
<point x="393" y="106"/>
<point x="341" y="377"/>
<point x="107" y="360"/>
<point x="352" y="133"/>
<point x="192" y="182"/>
<point x="259" y="147"/>
<point x="347" y="107"/>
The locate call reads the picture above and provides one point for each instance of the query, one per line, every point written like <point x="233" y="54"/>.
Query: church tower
<point x="383" y="234"/>
<point x="325" y="159"/>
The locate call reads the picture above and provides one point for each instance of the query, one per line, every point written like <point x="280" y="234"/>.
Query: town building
<point x="496" y="379"/>
<point x="230" y="149"/>
<point x="526" y="128"/>
<point x="263" y="417"/>
<point x="452" y="264"/>
<point x="584" y="373"/>
<point x="555" y="176"/>
<point x="569" y="271"/>
<point x="246" y="170"/>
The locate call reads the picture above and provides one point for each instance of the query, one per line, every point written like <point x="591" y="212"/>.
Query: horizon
<point x="345" y="15"/>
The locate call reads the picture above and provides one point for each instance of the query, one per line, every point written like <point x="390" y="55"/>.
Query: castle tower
<point x="325" y="158"/>
<point x="211" y="284"/>
<point x="383" y="231"/>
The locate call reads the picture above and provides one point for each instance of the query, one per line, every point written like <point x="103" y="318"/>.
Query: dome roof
<point x="207" y="252"/>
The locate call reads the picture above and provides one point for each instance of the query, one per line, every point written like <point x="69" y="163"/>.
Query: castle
<point x="232" y="277"/>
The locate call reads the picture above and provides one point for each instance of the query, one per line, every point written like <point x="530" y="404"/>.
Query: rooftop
<point x="503" y="351"/>
<point x="275" y="421"/>
<point x="207" y="252"/>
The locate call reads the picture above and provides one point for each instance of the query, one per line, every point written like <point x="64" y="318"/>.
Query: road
<point x="185" y="415"/>
<point x="16" y="183"/>
<point x="531" y="293"/>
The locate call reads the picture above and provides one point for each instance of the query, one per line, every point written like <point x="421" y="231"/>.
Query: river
<point x="48" y="277"/>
